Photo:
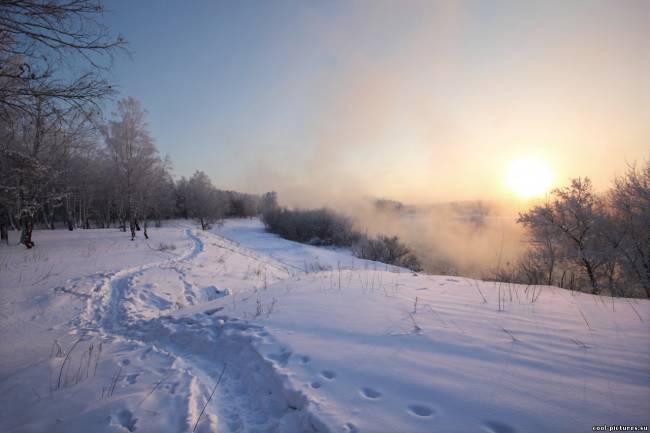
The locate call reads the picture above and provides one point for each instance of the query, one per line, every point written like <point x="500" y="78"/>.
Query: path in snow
<point x="132" y="303"/>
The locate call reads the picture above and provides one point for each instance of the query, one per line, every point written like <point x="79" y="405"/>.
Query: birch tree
<point x="134" y="157"/>
<point x="52" y="57"/>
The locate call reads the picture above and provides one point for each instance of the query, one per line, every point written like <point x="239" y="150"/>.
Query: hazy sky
<point x="414" y="100"/>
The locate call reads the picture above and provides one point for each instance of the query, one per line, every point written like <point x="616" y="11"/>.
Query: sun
<point x="529" y="177"/>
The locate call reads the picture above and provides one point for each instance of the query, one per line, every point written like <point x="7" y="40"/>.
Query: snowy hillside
<point x="238" y="330"/>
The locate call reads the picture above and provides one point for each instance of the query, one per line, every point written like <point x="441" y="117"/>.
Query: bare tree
<point x="52" y="55"/>
<point x="630" y="202"/>
<point x="40" y="39"/>
<point x="572" y="223"/>
<point x="134" y="157"/>
<point x="33" y="151"/>
<point x="159" y="199"/>
<point x="267" y="202"/>
<point x="203" y="201"/>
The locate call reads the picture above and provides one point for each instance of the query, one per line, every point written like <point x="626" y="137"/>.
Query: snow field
<point x="239" y="330"/>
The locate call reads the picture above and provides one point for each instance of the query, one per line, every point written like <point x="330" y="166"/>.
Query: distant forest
<point x="62" y="161"/>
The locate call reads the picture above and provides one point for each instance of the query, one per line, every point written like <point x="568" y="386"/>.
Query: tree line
<point x="61" y="161"/>
<point x="105" y="174"/>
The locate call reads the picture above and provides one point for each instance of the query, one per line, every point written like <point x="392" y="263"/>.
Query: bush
<point x="326" y="227"/>
<point x="314" y="227"/>
<point x="387" y="249"/>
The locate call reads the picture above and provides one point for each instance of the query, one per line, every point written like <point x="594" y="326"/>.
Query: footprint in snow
<point x="304" y="359"/>
<point x="171" y="388"/>
<point x="125" y="419"/>
<point x="350" y="428"/>
<point x="144" y="355"/>
<point x="282" y="358"/>
<point x="370" y="393"/>
<point x="421" y="410"/>
<point x="132" y="378"/>
<point x="316" y="385"/>
<point x="328" y="374"/>
<point x="498" y="427"/>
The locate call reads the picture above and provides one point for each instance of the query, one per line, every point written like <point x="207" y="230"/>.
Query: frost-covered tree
<point x="55" y="49"/>
<point x="134" y="157"/>
<point x="34" y="149"/>
<point x="630" y="203"/>
<point x="267" y="202"/>
<point x="159" y="199"/>
<point x="203" y="201"/>
<point x="52" y="56"/>
<point x="571" y="222"/>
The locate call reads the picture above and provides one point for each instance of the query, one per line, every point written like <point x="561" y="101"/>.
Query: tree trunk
<point x="68" y="214"/>
<point x="48" y="215"/>
<point x="595" y="290"/>
<point x="145" y="230"/>
<point x="52" y="216"/>
<point x="12" y="223"/>
<point x="27" y="225"/>
<point x="4" y="233"/>
<point x="132" y="227"/>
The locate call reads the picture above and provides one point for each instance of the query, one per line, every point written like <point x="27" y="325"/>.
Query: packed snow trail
<point x="251" y="395"/>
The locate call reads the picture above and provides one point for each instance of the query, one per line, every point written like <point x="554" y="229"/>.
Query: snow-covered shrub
<point x="387" y="249"/>
<point x="314" y="226"/>
<point x="326" y="227"/>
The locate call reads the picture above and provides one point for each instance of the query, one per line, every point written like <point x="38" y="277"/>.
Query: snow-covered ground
<point x="101" y="334"/>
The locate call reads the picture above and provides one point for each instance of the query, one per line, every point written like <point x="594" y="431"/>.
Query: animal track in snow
<point x="421" y="410"/>
<point x="328" y="374"/>
<point x="498" y="427"/>
<point x="281" y="358"/>
<point x="370" y="393"/>
<point x="126" y="420"/>
<point x="171" y="387"/>
<point x="132" y="378"/>
<point x="304" y="359"/>
<point x="316" y="385"/>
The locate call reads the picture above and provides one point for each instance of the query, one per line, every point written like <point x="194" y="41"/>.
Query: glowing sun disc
<point x="529" y="177"/>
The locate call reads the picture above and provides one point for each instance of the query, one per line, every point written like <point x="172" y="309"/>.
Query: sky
<point x="420" y="101"/>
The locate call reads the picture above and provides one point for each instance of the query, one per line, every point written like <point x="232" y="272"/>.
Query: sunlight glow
<point x="529" y="177"/>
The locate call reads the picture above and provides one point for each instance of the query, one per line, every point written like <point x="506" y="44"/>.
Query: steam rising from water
<point x="468" y="238"/>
